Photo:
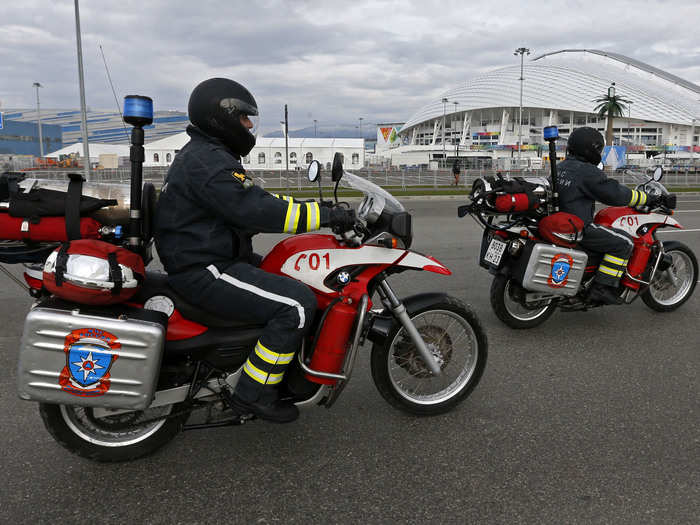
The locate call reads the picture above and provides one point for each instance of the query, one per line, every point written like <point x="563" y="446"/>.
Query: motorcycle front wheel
<point x="98" y="436"/>
<point x="673" y="286"/>
<point x="509" y="310"/>
<point x="455" y="337"/>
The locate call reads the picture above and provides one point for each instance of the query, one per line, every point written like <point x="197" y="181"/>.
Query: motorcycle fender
<point x="380" y="324"/>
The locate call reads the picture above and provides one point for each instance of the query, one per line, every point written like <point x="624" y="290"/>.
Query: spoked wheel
<point x="673" y="286"/>
<point x="456" y="339"/>
<point x="96" y="435"/>
<point x="511" y="311"/>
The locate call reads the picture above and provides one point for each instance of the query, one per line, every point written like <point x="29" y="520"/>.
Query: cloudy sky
<point x="329" y="60"/>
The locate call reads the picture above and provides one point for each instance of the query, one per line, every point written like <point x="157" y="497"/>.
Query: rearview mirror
<point x="314" y="171"/>
<point x="337" y="170"/>
<point x="658" y="173"/>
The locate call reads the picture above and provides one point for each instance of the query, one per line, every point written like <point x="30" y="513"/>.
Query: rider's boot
<point x="263" y="402"/>
<point x="601" y="293"/>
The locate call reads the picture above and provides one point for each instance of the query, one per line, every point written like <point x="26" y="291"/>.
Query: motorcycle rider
<point x="580" y="185"/>
<point x="206" y="216"/>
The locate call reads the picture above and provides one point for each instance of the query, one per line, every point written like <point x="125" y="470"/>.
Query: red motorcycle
<point x="118" y="382"/>
<point x="538" y="266"/>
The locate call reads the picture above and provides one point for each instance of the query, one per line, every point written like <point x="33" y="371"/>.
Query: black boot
<point x="600" y="293"/>
<point x="269" y="408"/>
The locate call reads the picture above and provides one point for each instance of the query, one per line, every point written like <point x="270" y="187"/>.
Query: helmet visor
<point x="251" y="123"/>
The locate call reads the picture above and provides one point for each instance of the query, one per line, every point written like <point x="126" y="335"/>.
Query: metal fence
<point x="391" y="178"/>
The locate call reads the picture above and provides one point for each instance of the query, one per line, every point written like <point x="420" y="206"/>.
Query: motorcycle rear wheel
<point x="510" y="311"/>
<point x="112" y="438"/>
<point x="456" y="338"/>
<point x="666" y="294"/>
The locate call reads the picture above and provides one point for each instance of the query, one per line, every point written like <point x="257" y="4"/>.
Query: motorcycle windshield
<point x="378" y="195"/>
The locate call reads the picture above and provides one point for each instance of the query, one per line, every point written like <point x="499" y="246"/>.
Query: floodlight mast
<point x="521" y="51"/>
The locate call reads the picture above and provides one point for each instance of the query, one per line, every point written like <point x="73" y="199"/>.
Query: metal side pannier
<point x="551" y="269"/>
<point x="91" y="356"/>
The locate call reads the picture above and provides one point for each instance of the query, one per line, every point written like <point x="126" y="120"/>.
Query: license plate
<point x="495" y="251"/>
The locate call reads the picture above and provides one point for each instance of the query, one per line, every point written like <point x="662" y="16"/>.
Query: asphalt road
<point x="591" y="418"/>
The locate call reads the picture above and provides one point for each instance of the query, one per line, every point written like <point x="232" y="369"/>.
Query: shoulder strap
<point x="75" y="190"/>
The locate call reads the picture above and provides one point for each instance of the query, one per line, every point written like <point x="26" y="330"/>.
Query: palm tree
<point x="610" y="105"/>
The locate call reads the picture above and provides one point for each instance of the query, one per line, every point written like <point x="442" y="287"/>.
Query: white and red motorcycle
<point x="118" y="382"/>
<point x="537" y="269"/>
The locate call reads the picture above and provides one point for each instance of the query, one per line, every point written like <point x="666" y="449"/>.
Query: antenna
<point x="116" y="101"/>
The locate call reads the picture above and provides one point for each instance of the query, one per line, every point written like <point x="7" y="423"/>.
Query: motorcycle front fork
<point x="392" y="302"/>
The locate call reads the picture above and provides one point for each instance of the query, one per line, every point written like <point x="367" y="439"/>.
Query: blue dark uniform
<point x="206" y="216"/>
<point x="580" y="185"/>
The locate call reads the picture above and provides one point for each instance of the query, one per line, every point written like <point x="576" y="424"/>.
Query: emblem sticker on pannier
<point x="89" y="358"/>
<point x="559" y="273"/>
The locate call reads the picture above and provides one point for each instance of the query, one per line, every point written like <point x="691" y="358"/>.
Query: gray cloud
<point x="332" y="61"/>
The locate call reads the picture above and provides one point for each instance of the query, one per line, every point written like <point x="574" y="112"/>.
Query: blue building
<point x="22" y="138"/>
<point x="105" y="127"/>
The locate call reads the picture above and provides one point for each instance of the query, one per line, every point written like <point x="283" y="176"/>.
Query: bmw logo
<point x="343" y="278"/>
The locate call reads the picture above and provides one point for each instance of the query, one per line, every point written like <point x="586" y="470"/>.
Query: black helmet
<point x="216" y="106"/>
<point x="586" y="144"/>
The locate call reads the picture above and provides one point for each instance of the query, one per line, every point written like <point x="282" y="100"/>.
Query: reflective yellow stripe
<point x="254" y="372"/>
<point x="273" y="379"/>
<point x="297" y="215"/>
<point x="615" y="260"/>
<point x="292" y="210"/>
<point x="276" y="195"/>
<point x="313" y="214"/>
<point x="271" y="357"/>
<point x="609" y="271"/>
<point x="642" y="198"/>
<point x="635" y="197"/>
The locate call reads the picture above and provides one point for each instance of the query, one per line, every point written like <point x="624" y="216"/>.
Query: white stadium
<point x="478" y="120"/>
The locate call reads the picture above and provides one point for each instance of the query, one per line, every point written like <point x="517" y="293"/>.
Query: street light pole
<point x="521" y="51"/>
<point x="444" y="158"/>
<point x="457" y="142"/>
<point x="83" y="110"/>
<point x="38" y="118"/>
<point x="315" y="121"/>
<point x="361" y="126"/>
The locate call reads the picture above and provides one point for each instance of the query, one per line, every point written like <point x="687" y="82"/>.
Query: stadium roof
<point x="570" y="80"/>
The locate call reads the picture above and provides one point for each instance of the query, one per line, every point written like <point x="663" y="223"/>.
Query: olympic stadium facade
<point x="479" y="120"/>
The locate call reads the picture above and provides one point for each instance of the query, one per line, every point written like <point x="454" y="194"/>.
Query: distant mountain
<point x="338" y="131"/>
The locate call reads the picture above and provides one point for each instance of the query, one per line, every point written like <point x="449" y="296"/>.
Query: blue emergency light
<point x="551" y="133"/>
<point x="138" y="110"/>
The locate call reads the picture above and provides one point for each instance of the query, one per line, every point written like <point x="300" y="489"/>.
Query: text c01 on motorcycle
<point x="428" y="350"/>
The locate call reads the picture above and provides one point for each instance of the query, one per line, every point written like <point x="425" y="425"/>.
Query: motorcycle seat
<point x="156" y="283"/>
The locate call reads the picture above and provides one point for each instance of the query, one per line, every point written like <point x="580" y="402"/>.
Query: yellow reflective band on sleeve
<point x="297" y="216"/>
<point x="635" y="197"/>
<point x="271" y="357"/>
<point x="276" y="195"/>
<point x="254" y="372"/>
<point x="292" y="219"/>
<point x="642" y="198"/>
<point x="313" y="216"/>
<point x="609" y="271"/>
<point x="615" y="260"/>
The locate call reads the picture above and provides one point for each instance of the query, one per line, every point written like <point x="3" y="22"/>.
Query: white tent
<point x="96" y="149"/>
